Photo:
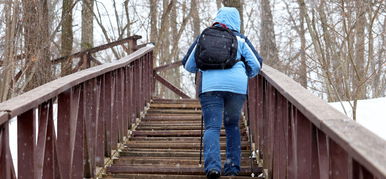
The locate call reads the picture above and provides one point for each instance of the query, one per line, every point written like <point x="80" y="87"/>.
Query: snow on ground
<point x="371" y="114"/>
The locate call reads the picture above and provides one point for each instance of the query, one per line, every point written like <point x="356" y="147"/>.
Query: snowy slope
<point x="371" y="113"/>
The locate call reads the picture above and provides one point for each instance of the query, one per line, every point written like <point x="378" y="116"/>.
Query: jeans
<point x="216" y="106"/>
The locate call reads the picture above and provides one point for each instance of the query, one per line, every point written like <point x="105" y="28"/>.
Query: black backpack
<point x="216" y="48"/>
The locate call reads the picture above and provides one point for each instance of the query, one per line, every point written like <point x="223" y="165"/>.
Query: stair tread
<point x="166" y="144"/>
<point x="163" y="176"/>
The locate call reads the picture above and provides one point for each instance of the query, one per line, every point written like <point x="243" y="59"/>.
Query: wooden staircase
<point x="166" y="144"/>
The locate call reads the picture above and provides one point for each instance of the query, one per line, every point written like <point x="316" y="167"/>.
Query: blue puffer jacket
<point x="234" y="79"/>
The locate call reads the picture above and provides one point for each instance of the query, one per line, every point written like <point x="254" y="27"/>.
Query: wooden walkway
<point x="166" y="144"/>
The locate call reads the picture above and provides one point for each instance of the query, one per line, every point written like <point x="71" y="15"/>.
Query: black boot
<point x="213" y="174"/>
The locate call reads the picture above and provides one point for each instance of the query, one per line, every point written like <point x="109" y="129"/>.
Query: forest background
<point x="334" y="48"/>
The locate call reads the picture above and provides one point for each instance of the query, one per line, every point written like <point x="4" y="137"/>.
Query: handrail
<point x="132" y="40"/>
<point x="95" y="108"/>
<point x="301" y="136"/>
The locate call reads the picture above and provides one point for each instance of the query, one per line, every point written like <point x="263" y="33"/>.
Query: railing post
<point x="7" y="169"/>
<point x="94" y="109"/>
<point x="26" y="144"/>
<point x="131" y="45"/>
<point x="44" y="152"/>
<point x="101" y="122"/>
<point x="107" y="112"/>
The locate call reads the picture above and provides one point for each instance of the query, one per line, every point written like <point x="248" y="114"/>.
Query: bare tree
<point x="153" y="20"/>
<point x="268" y="49"/>
<point x="87" y="24"/>
<point x="195" y="18"/>
<point x="37" y="44"/>
<point x="340" y="47"/>
<point x="218" y="4"/>
<point x="11" y="11"/>
<point x="67" y="37"/>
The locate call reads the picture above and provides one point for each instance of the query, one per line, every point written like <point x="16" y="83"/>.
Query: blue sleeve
<point x="189" y="61"/>
<point x="252" y="58"/>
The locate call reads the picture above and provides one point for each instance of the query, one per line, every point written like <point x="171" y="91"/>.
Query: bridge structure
<point x="106" y="122"/>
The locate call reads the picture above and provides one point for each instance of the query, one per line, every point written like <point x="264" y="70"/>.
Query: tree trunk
<point x="87" y="40"/>
<point x="37" y="43"/>
<point x="196" y="18"/>
<point x="153" y="20"/>
<point x="11" y="11"/>
<point x="302" y="72"/>
<point x="239" y="6"/>
<point x="218" y="4"/>
<point x="67" y="36"/>
<point x="268" y="48"/>
<point x="171" y="75"/>
<point x="379" y="85"/>
<point x="359" y="58"/>
<point x="128" y="28"/>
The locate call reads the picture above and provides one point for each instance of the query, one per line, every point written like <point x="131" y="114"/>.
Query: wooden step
<point x="173" y="145"/>
<point x="176" y="122"/>
<point x="175" y="133"/>
<point x="177" y="139"/>
<point x="175" y="106"/>
<point x="165" y="176"/>
<point x="175" y="101"/>
<point x="166" y="144"/>
<point x="167" y="127"/>
<point x="172" y="118"/>
<point x="162" y="161"/>
<point x="186" y="170"/>
<point x="171" y="154"/>
<point x="173" y="111"/>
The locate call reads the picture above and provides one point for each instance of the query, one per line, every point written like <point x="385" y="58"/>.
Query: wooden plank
<point x="304" y="146"/>
<point x="37" y="96"/>
<point x="192" y="170"/>
<point x="44" y="118"/>
<point x="177" y="139"/>
<point x="163" y="176"/>
<point x="174" y="133"/>
<point x="172" y="118"/>
<point x="323" y="159"/>
<point x="161" y="161"/>
<point x="7" y="169"/>
<point x="98" y="48"/>
<point x="175" y="101"/>
<point x="49" y="166"/>
<point x="176" y="106"/>
<point x="172" y="146"/>
<point x="360" y="143"/>
<point x="26" y="144"/>
<point x="339" y="162"/>
<point x="175" y="111"/>
<point x="4" y="117"/>
<point x="170" y="86"/>
<point x="168" y="66"/>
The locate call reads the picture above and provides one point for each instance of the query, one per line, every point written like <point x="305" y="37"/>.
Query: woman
<point x="222" y="95"/>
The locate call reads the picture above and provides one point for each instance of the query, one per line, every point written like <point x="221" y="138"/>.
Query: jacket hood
<point x="229" y="16"/>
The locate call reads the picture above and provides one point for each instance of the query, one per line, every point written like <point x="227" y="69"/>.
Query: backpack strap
<point x="222" y="25"/>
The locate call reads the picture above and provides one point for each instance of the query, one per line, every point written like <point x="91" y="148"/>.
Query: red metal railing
<point x="301" y="136"/>
<point x="95" y="109"/>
